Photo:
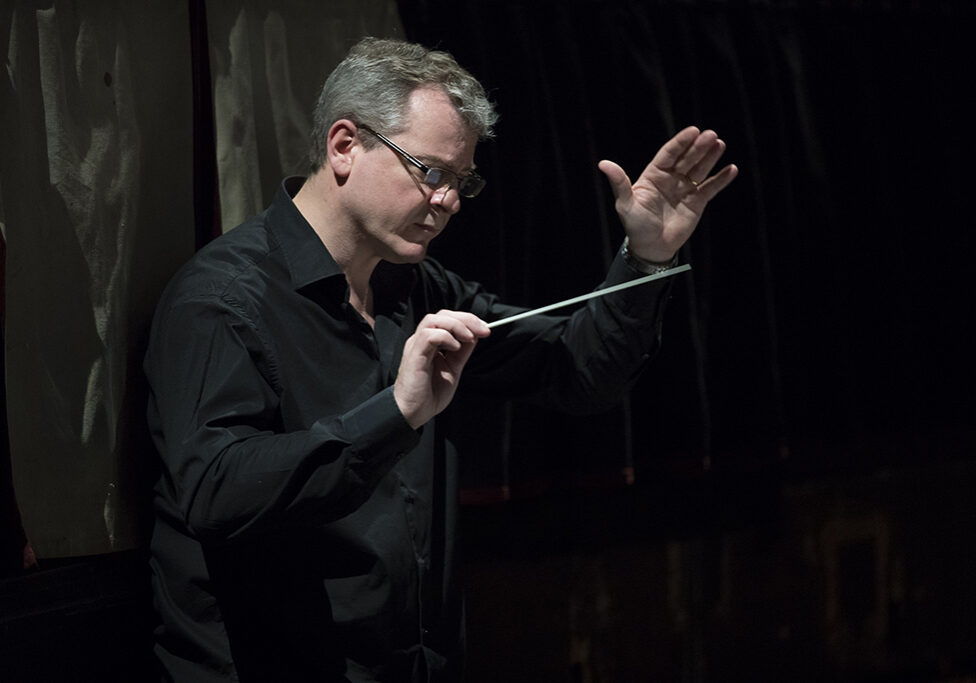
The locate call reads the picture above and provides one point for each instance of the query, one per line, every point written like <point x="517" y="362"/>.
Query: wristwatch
<point x="644" y="266"/>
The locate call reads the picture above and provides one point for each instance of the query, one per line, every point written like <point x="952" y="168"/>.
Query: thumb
<point x="456" y="360"/>
<point x="619" y="182"/>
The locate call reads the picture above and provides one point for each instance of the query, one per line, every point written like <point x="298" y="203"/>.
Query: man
<point x="306" y="511"/>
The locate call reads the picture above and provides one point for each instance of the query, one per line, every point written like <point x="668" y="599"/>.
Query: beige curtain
<point x="96" y="203"/>
<point x="97" y="194"/>
<point x="268" y="61"/>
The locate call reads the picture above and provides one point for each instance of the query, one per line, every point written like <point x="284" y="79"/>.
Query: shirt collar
<point x="308" y="259"/>
<point x="310" y="263"/>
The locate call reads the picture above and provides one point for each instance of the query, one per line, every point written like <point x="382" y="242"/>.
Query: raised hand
<point x="432" y="361"/>
<point x="660" y="211"/>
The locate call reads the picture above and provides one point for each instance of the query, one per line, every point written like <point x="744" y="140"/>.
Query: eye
<point x="439" y="177"/>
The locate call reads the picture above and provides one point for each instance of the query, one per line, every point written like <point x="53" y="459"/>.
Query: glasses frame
<point x="467" y="186"/>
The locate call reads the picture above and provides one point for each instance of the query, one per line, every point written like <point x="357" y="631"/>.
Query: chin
<point x="411" y="253"/>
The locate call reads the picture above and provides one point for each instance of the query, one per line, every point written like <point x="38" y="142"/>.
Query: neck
<point x="316" y="202"/>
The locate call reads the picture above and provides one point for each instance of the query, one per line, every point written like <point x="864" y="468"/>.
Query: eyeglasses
<point x="466" y="185"/>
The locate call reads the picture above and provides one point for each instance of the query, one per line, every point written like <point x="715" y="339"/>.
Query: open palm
<point x="660" y="210"/>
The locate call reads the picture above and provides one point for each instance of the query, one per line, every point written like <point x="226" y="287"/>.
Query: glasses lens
<point x="467" y="186"/>
<point x="438" y="178"/>
<point x="471" y="185"/>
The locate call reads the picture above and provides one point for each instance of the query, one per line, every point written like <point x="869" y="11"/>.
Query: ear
<point x="342" y="147"/>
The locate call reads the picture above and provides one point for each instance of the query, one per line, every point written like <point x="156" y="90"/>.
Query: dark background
<point x="787" y="493"/>
<point x="801" y="453"/>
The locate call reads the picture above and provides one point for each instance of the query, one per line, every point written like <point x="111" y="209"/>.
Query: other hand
<point x="660" y="211"/>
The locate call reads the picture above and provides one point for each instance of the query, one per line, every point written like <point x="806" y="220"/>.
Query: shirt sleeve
<point x="229" y="466"/>
<point x="581" y="362"/>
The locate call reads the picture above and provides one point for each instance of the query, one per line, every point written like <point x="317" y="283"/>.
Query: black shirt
<point x="303" y="530"/>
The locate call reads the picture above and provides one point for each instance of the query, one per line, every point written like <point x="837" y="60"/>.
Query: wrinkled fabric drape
<point x="99" y="209"/>
<point x="98" y="206"/>
<point x="268" y="62"/>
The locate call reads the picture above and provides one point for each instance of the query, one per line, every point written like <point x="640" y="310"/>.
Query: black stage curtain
<point x="829" y="302"/>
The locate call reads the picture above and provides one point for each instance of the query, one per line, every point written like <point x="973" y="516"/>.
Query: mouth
<point x="428" y="229"/>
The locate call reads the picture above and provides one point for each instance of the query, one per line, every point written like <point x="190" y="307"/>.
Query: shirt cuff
<point x="644" y="266"/>
<point x="377" y="428"/>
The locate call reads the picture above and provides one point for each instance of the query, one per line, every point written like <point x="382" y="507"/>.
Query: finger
<point x="718" y="182"/>
<point x="699" y="172"/>
<point x="475" y="325"/>
<point x="462" y="325"/>
<point x="675" y="148"/>
<point x="619" y="182"/>
<point x="455" y="360"/>
<point x="699" y="150"/>
<point x="435" y="340"/>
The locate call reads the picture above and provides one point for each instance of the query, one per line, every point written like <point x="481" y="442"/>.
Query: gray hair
<point x="372" y="86"/>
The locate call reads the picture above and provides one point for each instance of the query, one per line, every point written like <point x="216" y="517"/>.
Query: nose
<point x="447" y="198"/>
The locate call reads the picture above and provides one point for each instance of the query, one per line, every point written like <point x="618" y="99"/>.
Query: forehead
<point x="435" y="129"/>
